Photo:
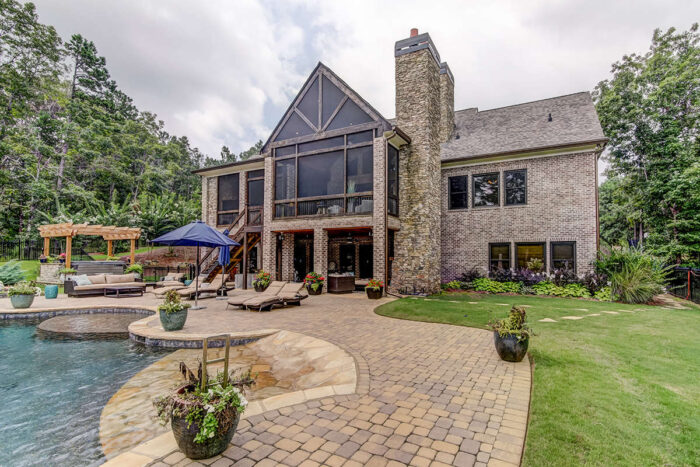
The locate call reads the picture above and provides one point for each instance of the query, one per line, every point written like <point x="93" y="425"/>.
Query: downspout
<point x="386" y="215"/>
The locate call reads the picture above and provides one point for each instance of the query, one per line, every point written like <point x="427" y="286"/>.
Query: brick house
<point x="416" y="200"/>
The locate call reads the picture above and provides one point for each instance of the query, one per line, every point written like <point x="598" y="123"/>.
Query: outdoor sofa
<point x="99" y="282"/>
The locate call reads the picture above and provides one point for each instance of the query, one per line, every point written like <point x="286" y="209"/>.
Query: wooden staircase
<point x="247" y="240"/>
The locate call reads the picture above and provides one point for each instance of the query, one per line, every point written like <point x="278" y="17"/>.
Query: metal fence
<point x="156" y="273"/>
<point x="685" y="283"/>
<point x="30" y="250"/>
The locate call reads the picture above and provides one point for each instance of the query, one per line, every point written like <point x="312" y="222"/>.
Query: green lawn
<point x="30" y="269"/>
<point x="145" y="249"/>
<point x="614" y="389"/>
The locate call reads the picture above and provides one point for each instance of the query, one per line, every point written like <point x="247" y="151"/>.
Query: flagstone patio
<point x="426" y="394"/>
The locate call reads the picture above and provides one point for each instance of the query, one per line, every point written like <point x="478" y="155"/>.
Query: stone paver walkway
<point x="427" y="394"/>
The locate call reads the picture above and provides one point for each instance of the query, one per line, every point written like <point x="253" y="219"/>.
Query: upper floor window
<point x="516" y="187"/>
<point x="359" y="167"/>
<point x="485" y="190"/>
<point x="228" y="197"/>
<point x="458" y="187"/>
<point x="563" y="255"/>
<point x="392" y="182"/>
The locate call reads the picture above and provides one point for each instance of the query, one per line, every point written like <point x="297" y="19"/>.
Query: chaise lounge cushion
<point x="291" y="291"/>
<point x="242" y="297"/>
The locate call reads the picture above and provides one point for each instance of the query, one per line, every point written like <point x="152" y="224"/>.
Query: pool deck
<point x="426" y="393"/>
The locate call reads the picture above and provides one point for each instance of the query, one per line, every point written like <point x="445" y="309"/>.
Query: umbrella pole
<point x="196" y="284"/>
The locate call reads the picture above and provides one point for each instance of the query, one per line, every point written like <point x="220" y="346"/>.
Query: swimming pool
<point x="53" y="392"/>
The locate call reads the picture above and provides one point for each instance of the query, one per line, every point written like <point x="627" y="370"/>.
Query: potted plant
<point x="65" y="273"/>
<point x="62" y="258"/>
<point x="136" y="268"/>
<point x="262" y="281"/>
<point x="314" y="283"/>
<point x="22" y="294"/>
<point x="42" y="258"/>
<point x="511" y="335"/>
<point x="204" y="417"/>
<point x="374" y="289"/>
<point x="172" y="312"/>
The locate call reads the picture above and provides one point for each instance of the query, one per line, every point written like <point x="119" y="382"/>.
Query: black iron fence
<point x="82" y="247"/>
<point x="685" y="283"/>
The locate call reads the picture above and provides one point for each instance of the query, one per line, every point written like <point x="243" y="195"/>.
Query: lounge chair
<point x="289" y="294"/>
<point x="173" y="279"/>
<point x="204" y="287"/>
<point x="240" y="298"/>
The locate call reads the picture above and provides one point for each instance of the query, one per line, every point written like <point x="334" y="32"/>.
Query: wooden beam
<point x="69" y="245"/>
<point x="110" y="250"/>
<point x="133" y="250"/>
<point x="244" y="265"/>
<point x="46" y="246"/>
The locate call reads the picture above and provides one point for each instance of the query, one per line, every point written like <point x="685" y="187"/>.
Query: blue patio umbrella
<point x="196" y="234"/>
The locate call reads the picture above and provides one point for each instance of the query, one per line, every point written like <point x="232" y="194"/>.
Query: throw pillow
<point x="81" y="280"/>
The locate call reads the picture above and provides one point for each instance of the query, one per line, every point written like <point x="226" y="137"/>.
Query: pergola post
<point x="47" y="242"/>
<point x="244" y="265"/>
<point x="133" y="250"/>
<point x="110" y="251"/>
<point x="69" y="245"/>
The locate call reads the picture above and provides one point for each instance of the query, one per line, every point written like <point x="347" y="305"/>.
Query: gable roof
<point x="524" y="127"/>
<point x="325" y="103"/>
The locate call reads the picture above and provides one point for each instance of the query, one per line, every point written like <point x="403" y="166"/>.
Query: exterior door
<point x="366" y="261"/>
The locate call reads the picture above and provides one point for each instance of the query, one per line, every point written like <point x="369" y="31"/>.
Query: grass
<point x="607" y="390"/>
<point x="30" y="269"/>
<point x="145" y="249"/>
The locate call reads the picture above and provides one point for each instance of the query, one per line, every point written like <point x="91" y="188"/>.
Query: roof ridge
<point x="523" y="103"/>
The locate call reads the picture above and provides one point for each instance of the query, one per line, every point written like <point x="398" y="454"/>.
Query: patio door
<point x="303" y="256"/>
<point x="366" y="261"/>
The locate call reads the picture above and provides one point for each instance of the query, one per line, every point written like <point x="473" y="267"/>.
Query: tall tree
<point x="649" y="109"/>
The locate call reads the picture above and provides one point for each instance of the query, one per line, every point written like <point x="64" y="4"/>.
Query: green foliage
<point x="262" y="279"/>
<point x="650" y="109"/>
<point x="314" y="280"/>
<point x="135" y="268"/>
<point x="604" y="294"/>
<point x="172" y="303"/>
<point x="374" y="284"/>
<point x="535" y="265"/>
<point x="574" y="290"/>
<point x="635" y="276"/>
<point x="514" y="325"/>
<point x="11" y="273"/>
<point x="22" y="288"/>
<point x="484" y="284"/>
<point x="452" y="285"/>
<point x="67" y="271"/>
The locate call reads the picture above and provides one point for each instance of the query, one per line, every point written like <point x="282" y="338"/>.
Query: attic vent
<point x="549" y="119"/>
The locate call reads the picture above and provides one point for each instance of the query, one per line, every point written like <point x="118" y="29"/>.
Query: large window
<point x="563" y="255"/>
<point x="228" y="194"/>
<point x="359" y="170"/>
<point x="485" y="190"/>
<point x="325" y="177"/>
<point x="532" y="253"/>
<point x="458" y="192"/>
<point x="516" y="187"/>
<point x="392" y="180"/>
<point x="499" y="256"/>
<point x="320" y="175"/>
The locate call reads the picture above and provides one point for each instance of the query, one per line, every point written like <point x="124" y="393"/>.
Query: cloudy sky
<point x="223" y="72"/>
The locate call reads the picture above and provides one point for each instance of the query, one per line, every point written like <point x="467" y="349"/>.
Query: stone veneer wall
<point x="447" y="106"/>
<point x="417" y="244"/>
<point x="561" y="206"/>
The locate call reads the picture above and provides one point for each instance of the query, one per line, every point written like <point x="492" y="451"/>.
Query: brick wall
<point x="561" y="206"/>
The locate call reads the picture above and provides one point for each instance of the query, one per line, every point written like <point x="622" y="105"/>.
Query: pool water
<point x="52" y="393"/>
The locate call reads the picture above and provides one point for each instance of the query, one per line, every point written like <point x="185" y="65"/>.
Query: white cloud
<point x="223" y="72"/>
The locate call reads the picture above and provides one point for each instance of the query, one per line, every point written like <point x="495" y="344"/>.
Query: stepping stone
<point x="526" y="306"/>
<point x="611" y="312"/>
<point x="453" y="301"/>
<point x="503" y="304"/>
<point x="429" y="299"/>
<point x="594" y="314"/>
<point x="572" y="317"/>
<point x="473" y="303"/>
<point x="547" y="320"/>
<point x="581" y="309"/>
<point x="628" y="311"/>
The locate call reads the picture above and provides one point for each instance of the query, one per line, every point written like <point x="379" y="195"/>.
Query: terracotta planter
<point x="374" y="294"/>
<point x="311" y="291"/>
<point x="184" y="436"/>
<point x="21" y="301"/>
<point x="509" y="348"/>
<point x="173" y="321"/>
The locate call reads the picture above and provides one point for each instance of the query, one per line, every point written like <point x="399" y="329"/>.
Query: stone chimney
<point x="423" y="94"/>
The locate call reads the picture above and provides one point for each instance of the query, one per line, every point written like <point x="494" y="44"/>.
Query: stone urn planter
<point x="509" y="347"/>
<point x="259" y="288"/>
<point x="185" y="433"/>
<point x="374" y="294"/>
<point x="174" y="320"/>
<point x="22" y="301"/>
<point x="311" y="291"/>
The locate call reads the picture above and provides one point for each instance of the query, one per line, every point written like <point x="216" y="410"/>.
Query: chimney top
<point x="414" y="32"/>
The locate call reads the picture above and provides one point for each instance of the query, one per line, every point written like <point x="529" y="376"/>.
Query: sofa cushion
<point x="90" y="287"/>
<point x="97" y="279"/>
<point x="120" y="278"/>
<point x="81" y="279"/>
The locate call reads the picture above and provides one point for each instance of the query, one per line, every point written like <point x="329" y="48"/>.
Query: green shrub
<point x="603" y="294"/>
<point x="23" y="288"/>
<point x="135" y="268"/>
<point x="484" y="284"/>
<point x="569" y="291"/>
<point x="512" y="287"/>
<point x="527" y="290"/>
<point x="452" y="285"/>
<point x="11" y="273"/>
<point x="544" y="288"/>
<point x="635" y="276"/>
<point x="514" y="324"/>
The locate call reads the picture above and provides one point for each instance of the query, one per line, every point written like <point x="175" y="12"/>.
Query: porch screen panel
<point x="285" y="178"/>
<point x="360" y="169"/>
<point x="256" y="192"/>
<point x="321" y="174"/>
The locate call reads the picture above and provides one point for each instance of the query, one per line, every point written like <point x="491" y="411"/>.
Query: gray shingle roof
<point x="524" y="127"/>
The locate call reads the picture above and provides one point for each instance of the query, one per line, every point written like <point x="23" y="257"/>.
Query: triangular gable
<point x="325" y="103"/>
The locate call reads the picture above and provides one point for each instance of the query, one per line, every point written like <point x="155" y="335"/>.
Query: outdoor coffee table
<point x="123" y="291"/>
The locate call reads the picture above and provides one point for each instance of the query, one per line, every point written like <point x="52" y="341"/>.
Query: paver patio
<point x="427" y="394"/>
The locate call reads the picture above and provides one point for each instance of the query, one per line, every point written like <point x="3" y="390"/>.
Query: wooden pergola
<point x="108" y="232"/>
